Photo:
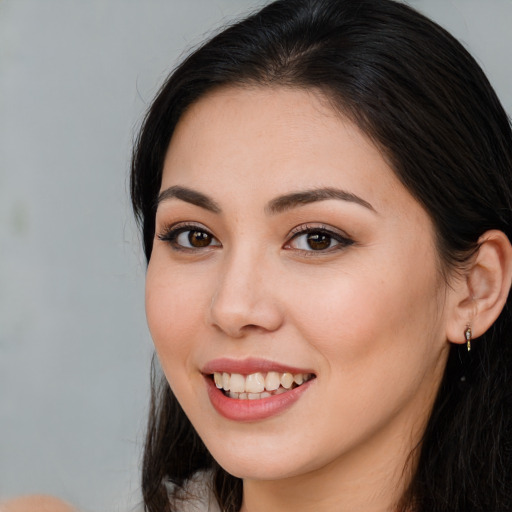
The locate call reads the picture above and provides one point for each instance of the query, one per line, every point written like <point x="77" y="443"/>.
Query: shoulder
<point x="36" y="503"/>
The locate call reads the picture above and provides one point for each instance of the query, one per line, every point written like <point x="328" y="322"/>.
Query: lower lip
<point x="253" y="410"/>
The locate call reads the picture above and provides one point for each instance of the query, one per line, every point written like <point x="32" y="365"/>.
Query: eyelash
<point x="171" y="233"/>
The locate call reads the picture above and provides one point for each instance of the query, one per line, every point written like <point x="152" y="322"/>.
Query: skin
<point x="36" y="503"/>
<point x="369" y="317"/>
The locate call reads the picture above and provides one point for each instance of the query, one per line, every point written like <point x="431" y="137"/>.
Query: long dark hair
<point x="424" y="101"/>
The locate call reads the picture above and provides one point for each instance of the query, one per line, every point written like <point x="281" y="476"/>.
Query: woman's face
<point x="286" y="250"/>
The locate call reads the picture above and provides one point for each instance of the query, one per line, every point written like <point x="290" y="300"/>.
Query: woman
<point x="324" y="191"/>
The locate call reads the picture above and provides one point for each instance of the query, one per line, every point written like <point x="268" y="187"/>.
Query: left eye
<point x="317" y="240"/>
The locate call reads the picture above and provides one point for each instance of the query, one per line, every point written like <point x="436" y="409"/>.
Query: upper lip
<point x="249" y="366"/>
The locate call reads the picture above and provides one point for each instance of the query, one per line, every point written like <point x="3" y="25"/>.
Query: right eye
<point x="188" y="238"/>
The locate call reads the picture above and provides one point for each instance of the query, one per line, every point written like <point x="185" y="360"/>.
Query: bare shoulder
<point x="36" y="503"/>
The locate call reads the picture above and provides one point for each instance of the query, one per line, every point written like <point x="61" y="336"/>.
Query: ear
<point x="478" y="297"/>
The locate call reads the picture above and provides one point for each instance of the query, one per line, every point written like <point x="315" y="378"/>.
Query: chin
<point x="253" y="459"/>
<point x="260" y="469"/>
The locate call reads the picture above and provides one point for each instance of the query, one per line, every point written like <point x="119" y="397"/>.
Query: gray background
<point x="75" y="78"/>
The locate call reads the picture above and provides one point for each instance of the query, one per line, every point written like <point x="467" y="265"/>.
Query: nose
<point x="245" y="298"/>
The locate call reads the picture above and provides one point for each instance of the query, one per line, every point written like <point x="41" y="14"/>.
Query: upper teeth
<point x="258" y="382"/>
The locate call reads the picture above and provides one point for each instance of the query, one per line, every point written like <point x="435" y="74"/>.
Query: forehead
<point x="244" y="141"/>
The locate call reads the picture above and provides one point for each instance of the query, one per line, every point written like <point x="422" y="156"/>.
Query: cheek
<point x="374" y="337"/>
<point x="370" y="313"/>
<point x="173" y="312"/>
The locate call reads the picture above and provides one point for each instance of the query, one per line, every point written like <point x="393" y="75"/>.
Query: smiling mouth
<point x="256" y="386"/>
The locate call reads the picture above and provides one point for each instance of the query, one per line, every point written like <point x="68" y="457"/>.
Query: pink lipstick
<point x="254" y="389"/>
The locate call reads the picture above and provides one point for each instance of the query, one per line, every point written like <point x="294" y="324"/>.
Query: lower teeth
<point x="256" y="396"/>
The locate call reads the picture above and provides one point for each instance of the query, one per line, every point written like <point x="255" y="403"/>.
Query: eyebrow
<point x="295" y="199"/>
<point x="275" y="206"/>
<point x="190" y="196"/>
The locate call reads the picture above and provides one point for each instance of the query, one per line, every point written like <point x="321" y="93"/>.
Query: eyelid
<point x="305" y="226"/>
<point x="172" y="226"/>
<point x="311" y="226"/>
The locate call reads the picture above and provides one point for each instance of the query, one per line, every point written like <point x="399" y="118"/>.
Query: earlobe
<point x="481" y="294"/>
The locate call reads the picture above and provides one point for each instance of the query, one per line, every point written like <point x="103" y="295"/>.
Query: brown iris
<point x="199" y="238"/>
<point x="318" y="241"/>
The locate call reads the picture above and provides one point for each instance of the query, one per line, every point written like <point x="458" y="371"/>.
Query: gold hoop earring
<point x="467" y="335"/>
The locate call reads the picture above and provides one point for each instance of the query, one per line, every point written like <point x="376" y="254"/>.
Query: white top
<point x="196" y="495"/>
